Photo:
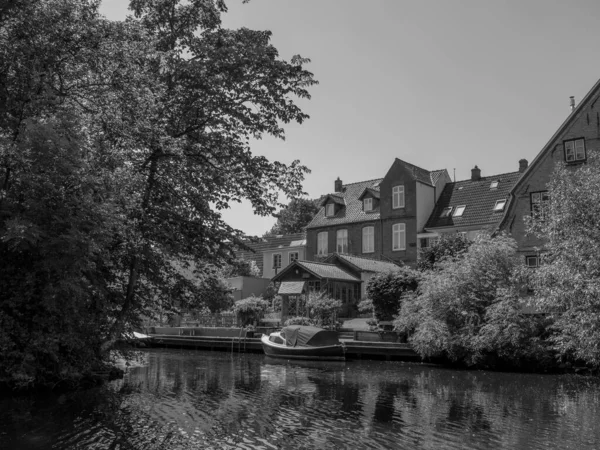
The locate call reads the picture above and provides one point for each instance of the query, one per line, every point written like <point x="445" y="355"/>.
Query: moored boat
<point x="304" y="342"/>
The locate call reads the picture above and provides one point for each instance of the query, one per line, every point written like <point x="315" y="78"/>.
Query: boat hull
<point x="327" y="353"/>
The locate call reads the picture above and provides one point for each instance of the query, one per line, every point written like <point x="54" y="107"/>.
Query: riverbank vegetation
<point x="480" y="306"/>
<point x="120" y="142"/>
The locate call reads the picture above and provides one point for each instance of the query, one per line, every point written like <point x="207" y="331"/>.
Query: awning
<point x="291" y="287"/>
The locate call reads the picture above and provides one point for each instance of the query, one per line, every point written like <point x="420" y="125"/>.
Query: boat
<point x="304" y="342"/>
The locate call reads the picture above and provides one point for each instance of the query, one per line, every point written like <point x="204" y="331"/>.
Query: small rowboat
<point x="304" y="342"/>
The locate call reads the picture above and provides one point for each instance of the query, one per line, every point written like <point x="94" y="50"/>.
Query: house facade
<point x="376" y="219"/>
<point x="273" y="253"/>
<point x="575" y="139"/>
<point x="471" y="206"/>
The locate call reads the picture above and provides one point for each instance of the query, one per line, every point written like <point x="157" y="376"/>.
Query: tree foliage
<point x="250" y="310"/>
<point x="470" y="308"/>
<point x="387" y="289"/>
<point x="567" y="283"/>
<point x="449" y="245"/>
<point x="295" y="216"/>
<point x="120" y="142"/>
<point x="323" y="310"/>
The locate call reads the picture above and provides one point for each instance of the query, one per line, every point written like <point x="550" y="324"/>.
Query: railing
<point x="212" y="320"/>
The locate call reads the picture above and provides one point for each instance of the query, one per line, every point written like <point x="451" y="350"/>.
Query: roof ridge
<point x="316" y="262"/>
<point x="366" y="181"/>
<point x="487" y="176"/>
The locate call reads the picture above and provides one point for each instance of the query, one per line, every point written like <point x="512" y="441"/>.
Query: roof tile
<point x="324" y="270"/>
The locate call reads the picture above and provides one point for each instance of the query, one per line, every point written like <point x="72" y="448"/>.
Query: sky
<point x="437" y="83"/>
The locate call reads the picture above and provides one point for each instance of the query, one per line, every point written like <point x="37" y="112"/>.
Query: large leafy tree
<point x="295" y="216"/>
<point x="119" y="144"/>
<point x="448" y="246"/>
<point x="469" y="309"/>
<point x="567" y="283"/>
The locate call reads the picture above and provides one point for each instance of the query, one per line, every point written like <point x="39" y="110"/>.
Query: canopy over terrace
<point x="302" y="277"/>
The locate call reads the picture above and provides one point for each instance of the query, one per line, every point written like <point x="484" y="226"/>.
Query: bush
<point x="323" y="309"/>
<point x="299" y="320"/>
<point x="386" y="290"/>
<point x="365" y="306"/>
<point x="250" y="310"/>
<point x="450" y="245"/>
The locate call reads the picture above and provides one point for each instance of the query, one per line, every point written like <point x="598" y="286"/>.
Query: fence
<point x="211" y="320"/>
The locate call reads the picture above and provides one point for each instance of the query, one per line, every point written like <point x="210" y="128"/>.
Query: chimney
<point x="475" y="174"/>
<point x="523" y="163"/>
<point x="338" y="185"/>
<point x="572" y="102"/>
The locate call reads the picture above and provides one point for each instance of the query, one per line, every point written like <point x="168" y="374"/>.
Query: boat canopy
<point x="300" y="335"/>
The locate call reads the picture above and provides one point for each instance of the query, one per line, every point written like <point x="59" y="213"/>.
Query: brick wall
<point x="586" y="124"/>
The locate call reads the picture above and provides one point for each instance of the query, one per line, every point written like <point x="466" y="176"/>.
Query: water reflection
<point x="186" y="399"/>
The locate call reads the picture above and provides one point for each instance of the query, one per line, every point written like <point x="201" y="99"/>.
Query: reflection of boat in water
<point x="304" y="342"/>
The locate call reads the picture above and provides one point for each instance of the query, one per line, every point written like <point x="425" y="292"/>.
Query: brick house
<point x="471" y="206"/>
<point x="571" y="143"/>
<point x="376" y="219"/>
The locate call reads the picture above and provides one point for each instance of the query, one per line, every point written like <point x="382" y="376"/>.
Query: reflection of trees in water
<point x="198" y="399"/>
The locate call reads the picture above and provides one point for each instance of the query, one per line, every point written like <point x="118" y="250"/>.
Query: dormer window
<point x="368" y="204"/>
<point x="446" y="211"/>
<point x="330" y="209"/>
<point x="500" y="204"/>
<point x="575" y="150"/>
<point x="494" y="185"/>
<point x="398" y="197"/>
<point x="459" y="211"/>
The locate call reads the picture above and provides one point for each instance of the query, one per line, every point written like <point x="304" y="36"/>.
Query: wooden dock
<point x="354" y="349"/>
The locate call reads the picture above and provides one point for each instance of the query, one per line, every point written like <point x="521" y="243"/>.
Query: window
<point x="398" y="197"/>
<point x="459" y="211"/>
<point x="276" y="260"/>
<point x="494" y="185"/>
<point x="500" y="204"/>
<point x="575" y="150"/>
<point x="539" y="204"/>
<point x="446" y="211"/>
<point x="399" y="236"/>
<point x="322" y="243"/>
<point x="368" y="204"/>
<point x="293" y="257"/>
<point x="329" y="209"/>
<point x="368" y="240"/>
<point x="532" y="261"/>
<point x="342" y="241"/>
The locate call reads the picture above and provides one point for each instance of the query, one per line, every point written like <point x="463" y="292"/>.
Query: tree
<point x="294" y="217"/>
<point x="449" y="245"/>
<point x="120" y="142"/>
<point x="470" y="308"/>
<point x="323" y="310"/>
<point x="567" y="283"/>
<point x="241" y="268"/>
<point x="387" y="289"/>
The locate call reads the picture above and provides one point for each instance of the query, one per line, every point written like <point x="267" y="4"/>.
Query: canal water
<point x="182" y="399"/>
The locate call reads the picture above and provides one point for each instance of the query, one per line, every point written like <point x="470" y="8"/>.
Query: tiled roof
<point x="337" y="198"/>
<point x="324" y="270"/>
<point x="367" y="264"/>
<point x="435" y="175"/>
<point x="479" y="199"/>
<point x="353" y="212"/>
<point x="291" y="287"/>
<point x="269" y="243"/>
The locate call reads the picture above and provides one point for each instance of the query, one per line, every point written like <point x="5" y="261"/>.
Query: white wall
<point x="268" y="271"/>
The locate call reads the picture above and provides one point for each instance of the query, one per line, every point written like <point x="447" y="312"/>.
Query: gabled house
<point x="377" y="219"/>
<point x="470" y="206"/>
<point x="272" y="253"/>
<point x="575" y="139"/>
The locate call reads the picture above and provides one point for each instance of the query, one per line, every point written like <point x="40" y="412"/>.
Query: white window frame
<point x="368" y="239"/>
<point x="368" y="204"/>
<point x="494" y="185"/>
<point x="500" y="205"/>
<point x="341" y="239"/>
<point x="399" y="236"/>
<point x="446" y="211"/>
<point x="459" y="211"/>
<point x="532" y="257"/>
<point x="330" y="209"/>
<point x="539" y="204"/>
<point x="398" y="197"/>
<point x="322" y="243"/>
<point x="290" y="260"/>
<point x="575" y="150"/>
<point x="275" y="266"/>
